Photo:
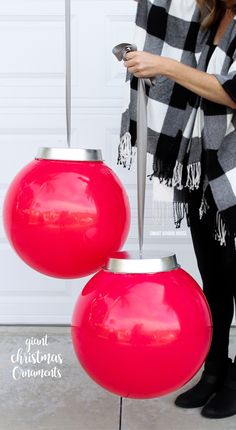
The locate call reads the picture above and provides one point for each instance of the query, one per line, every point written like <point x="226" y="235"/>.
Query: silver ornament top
<point x="69" y="154"/>
<point x="148" y="262"/>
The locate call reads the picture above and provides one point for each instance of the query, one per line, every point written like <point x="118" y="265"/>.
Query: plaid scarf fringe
<point x="180" y="211"/>
<point x="163" y="170"/>
<point x="126" y="155"/>
<point x="220" y="229"/>
<point x="126" y="152"/>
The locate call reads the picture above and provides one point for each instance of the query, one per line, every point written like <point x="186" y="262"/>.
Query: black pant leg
<point x="217" y="266"/>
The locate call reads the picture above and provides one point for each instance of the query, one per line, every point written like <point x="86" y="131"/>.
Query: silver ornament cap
<point x="69" y="154"/>
<point x="149" y="262"/>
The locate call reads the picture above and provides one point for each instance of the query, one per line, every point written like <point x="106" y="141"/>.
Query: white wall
<point x="32" y="114"/>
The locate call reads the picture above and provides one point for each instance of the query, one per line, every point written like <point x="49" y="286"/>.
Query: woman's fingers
<point x="130" y="63"/>
<point x="131" y="55"/>
<point x="134" y="61"/>
<point x="134" y="69"/>
<point x="142" y="64"/>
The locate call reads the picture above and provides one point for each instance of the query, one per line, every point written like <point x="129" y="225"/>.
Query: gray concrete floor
<point x="74" y="401"/>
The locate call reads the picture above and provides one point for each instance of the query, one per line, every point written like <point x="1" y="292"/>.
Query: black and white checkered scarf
<point x="183" y="128"/>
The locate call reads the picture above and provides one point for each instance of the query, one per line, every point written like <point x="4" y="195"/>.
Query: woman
<point x="192" y="135"/>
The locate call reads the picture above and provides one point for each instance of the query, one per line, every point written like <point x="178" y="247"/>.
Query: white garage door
<point x="32" y="114"/>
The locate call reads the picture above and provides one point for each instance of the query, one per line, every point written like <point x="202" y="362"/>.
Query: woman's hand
<point x="143" y="64"/>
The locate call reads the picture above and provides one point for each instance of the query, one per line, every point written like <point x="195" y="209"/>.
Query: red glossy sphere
<point x="64" y="218"/>
<point x="141" y="335"/>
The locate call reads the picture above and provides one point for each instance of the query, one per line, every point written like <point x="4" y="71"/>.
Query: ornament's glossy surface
<point x="141" y="335"/>
<point x="64" y="218"/>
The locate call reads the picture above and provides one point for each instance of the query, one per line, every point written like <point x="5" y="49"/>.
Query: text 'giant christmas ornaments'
<point x="66" y="212"/>
<point x="141" y="328"/>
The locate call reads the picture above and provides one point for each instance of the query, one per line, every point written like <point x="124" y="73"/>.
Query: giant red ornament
<point x="141" y="328"/>
<point x="66" y="212"/>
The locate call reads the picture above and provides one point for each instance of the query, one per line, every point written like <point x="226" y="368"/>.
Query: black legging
<point x="217" y="266"/>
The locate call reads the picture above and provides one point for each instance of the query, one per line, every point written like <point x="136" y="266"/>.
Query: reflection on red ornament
<point x="66" y="212"/>
<point x="145" y="334"/>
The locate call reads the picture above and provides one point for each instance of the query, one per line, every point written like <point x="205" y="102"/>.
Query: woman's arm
<point x="145" y="65"/>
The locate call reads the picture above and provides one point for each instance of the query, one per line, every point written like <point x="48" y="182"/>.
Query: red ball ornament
<point x="141" y="328"/>
<point x="66" y="212"/>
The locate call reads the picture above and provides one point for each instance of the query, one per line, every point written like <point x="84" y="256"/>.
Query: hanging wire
<point x="68" y="69"/>
<point x="121" y="410"/>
